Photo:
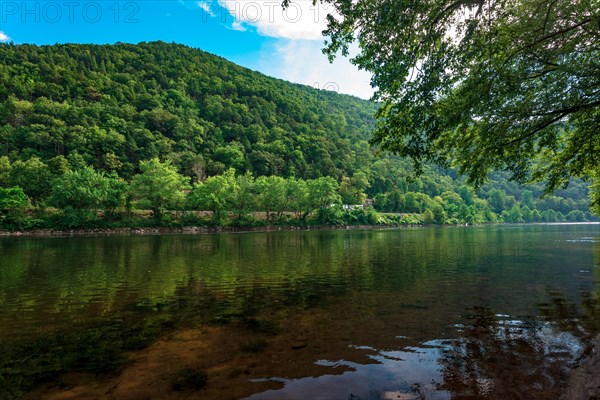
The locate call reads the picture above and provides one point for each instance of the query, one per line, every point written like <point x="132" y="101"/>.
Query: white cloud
<point x="301" y="20"/>
<point x="297" y="55"/>
<point x="208" y="8"/>
<point x="4" y="37"/>
<point x="238" y="26"/>
<point x="303" y="62"/>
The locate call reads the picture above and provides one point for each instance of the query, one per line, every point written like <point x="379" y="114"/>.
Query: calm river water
<point x="435" y="313"/>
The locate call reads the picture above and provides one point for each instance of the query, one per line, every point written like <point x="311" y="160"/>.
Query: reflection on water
<point x="503" y="360"/>
<point x="410" y="373"/>
<point x="486" y="312"/>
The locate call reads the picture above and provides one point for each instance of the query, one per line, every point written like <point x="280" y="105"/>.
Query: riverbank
<point x="229" y="229"/>
<point x="188" y="230"/>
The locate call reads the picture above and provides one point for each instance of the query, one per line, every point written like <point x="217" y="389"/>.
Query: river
<point x="498" y="311"/>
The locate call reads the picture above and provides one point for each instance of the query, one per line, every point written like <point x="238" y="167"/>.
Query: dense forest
<point x="91" y="133"/>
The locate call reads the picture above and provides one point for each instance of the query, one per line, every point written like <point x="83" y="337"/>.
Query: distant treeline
<point x="80" y="196"/>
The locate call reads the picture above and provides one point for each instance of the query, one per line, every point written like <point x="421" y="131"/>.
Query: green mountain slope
<point x="117" y="105"/>
<point x="63" y="107"/>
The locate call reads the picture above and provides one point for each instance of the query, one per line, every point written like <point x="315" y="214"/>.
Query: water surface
<point x="432" y="313"/>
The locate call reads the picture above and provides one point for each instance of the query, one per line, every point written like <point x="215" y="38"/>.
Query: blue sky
<point x="258" y="34"/>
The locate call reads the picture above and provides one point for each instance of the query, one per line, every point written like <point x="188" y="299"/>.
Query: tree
<point x="272" y="197"/>
<point x="549" y="216"/>
<point x="33" y="176"/>
<point x="353" y="189"/>
<point x="5" y="168"/>
<point x="322" y="194"/>
<point x="527" y="214"/>
<point x="466" y="194"/>
<point x="244" y="195"/>
<point x="217" y="194"/>
<point x="230" y="155"/>
<point x="428" y="217"/>
<point x="497" y="200"/>
<point x="13" y="203"/>
<point x="576" y="216"/>
<point x="473" y="216"/>
<point x="482" y="85"/>
<point x="439" y="215"/>
<point x="528" y="198"/>
<point x="347" y="192"/>
<point x="463" y="212"/>
<point x="58" y="165"/>
<point x="513" y="215"/>
<point x="159" y="186"/>
<point x="86" y="191"/>
<point x="296" y="193"/>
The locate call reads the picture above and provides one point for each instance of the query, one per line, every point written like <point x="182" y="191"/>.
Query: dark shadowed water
<point x="435" y="313"/>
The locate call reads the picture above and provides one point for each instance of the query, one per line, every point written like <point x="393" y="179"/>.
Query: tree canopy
<point x="117" y="105"/>
<point x="159" y="186"/>
<point x="482" y="84"/>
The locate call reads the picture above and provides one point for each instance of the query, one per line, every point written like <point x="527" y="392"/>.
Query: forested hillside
<point x="117" y="105"/>
<point x="74" y="116"/>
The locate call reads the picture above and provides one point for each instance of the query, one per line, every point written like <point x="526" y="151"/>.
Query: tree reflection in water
<point x="500" y="358"/>
<point x="497" y="357"/>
